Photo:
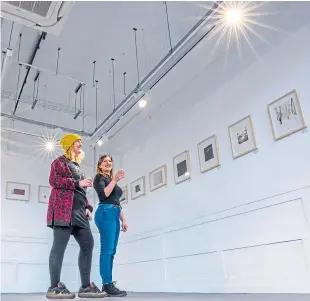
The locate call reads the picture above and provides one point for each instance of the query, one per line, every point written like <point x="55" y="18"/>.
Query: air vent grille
<point x="37" y="7"/>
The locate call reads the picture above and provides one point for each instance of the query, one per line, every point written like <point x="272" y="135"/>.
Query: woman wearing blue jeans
<point x="107" y="218"/>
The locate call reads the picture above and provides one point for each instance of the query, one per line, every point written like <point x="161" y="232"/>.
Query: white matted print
<point x="137" y="188"/>
<point x="17" y="191"/>
<point x="286" y="116"/>
<point x="44" y="193"/>
<point x="181" y="167"/>
<point x="124" y="197"/>
<point x="208" y="153"/>
<point x="158" y="178"/>
<point x="242" y="137"/>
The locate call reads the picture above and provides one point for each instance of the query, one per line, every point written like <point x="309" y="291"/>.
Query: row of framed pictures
<point x="21" y="192"/>
<point x="286" y="118"/>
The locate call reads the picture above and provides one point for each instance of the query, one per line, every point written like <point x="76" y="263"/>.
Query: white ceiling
<point x="101" y="30"/>
<point x="98" y="31"/>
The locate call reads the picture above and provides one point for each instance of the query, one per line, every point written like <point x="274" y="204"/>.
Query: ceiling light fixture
<point x="233" y="16"/>
<point x="235" y="21"/>
<point x="99" y="142"/>
<point x="48" y="146"/>
<point x="142" y="103"/>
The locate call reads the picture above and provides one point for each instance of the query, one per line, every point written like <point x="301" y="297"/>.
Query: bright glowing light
<point x="186" y="174"/>
<point x="50" y="146"/>
<point x="233" y="16"/>
<point x="99" y="143"/>
<point x="142" y="103"/>
<point x="235" y="22"/>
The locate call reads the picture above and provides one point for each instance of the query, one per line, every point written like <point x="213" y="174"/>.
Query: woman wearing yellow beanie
<point x="68" y="214"/>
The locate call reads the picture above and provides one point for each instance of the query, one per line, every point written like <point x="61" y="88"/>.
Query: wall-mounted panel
<point x="146" y="249"/>
<point x="272" y="265"/>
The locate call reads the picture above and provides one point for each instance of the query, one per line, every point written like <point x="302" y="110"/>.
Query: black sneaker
<point x="92" y="291"/>
<point x="113" y="291"/>
<point x="59" y="292"/>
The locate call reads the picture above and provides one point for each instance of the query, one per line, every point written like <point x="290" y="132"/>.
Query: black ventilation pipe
<point x="37" y="47"/>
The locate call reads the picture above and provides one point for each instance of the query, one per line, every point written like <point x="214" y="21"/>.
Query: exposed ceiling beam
<point x="48" y="125"/>
<point x="184" y="46"/>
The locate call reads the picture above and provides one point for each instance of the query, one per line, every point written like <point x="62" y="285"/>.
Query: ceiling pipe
<point x="20" y="132"/>
<point x="48" y="125"/>
<point x="184" y="46"/>
<point x="37" y="47"/>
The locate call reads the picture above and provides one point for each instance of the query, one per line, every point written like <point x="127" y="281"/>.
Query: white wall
<point x="25" y="238"/>
<point x="243" y="227"/>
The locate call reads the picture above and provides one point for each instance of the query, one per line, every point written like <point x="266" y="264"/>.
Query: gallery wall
<point x="241" y="226"/>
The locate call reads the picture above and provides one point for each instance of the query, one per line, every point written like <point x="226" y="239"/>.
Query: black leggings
<point x="85" y="240"/>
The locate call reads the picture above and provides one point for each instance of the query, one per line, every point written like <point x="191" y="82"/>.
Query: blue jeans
<point x="108" y="223"/>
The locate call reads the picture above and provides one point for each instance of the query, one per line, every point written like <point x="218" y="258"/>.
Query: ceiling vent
<point x="48" y="16"/>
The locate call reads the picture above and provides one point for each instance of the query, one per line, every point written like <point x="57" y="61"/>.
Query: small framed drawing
<point x="137" y="188"/>
<point x="181" y="167"/>
<point x="44" y="193"/>
<point x="158" y="178"/>
<point x="242" y="137"/>
<point x="208" y="153"/>
<point x="17" y="191"/>
<point x="124" y="197"/>
<point x="285" y="115"/>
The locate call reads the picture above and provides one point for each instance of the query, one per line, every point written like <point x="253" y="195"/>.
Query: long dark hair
<point x="98" y="170"/>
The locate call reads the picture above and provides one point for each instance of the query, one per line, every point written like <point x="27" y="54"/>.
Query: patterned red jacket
<point x="61" y="198"/>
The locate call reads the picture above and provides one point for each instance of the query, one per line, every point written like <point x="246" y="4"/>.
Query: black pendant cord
<point x="83" y="101"/>
<point x="113" y="83"/>
<point x="75" y="103"/>
<point x="168" y="25"/>
<point x="124" y="74"/>
<point x="19" y="67"/>
<point x="96" y="102"/>
<point x="34" y="91"/>
<point x="36" y="83"/>
<point x="81" y="98"/>
<point x="3" y="57"/>
<point x="11" y="35"/>
<point x="94" y="73"/>
<point x="19" y="42"/>
<point x="57" y="64"/>
<point x="137" y="60"/>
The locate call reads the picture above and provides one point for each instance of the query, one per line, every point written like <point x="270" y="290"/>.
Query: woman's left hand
<point x="124" y="227"/>
<point x="89" y="214"/>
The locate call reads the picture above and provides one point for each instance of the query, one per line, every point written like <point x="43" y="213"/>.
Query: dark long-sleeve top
<point x="100" y="182"/>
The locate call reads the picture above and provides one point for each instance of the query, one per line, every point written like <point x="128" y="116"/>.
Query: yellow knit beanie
<point x="67" y="140"/>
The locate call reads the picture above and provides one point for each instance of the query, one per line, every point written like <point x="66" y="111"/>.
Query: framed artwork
<point x="158" y="178"/>
<point x="208" y="153"/>
<point x="44" y="194"/>
<point x="285" y="115"/>
<point x="181" y="167"/>
<point x="124" y="197"/>
<point x="242" y="137"/>
<point x="138" y="188"/>
<point x="17" y="191"/>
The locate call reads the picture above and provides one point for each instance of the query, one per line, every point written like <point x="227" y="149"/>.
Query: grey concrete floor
<point x="178" y="297"/>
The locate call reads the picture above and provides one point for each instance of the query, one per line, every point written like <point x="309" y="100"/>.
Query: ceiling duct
<point x="47" y="16"/>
